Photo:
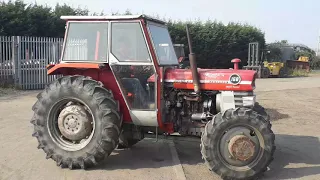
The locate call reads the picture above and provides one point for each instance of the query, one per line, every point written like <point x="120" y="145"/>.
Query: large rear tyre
<point x="238" y="144"/>
<point x="130" y="136"/>
<point x="76" y="122"/>
<point x="126" y="143"/>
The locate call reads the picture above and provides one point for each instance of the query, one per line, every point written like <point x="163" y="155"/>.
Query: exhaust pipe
<point x="193" y="65"/>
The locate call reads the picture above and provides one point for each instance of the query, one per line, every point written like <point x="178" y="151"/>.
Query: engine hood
<point x="230" y="78"/>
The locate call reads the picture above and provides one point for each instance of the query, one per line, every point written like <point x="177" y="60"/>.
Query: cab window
<point x="128" y="42"/>
<point x="86" y="41"/>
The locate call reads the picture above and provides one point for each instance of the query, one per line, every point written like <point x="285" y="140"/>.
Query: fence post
<point x="16" y="61"/>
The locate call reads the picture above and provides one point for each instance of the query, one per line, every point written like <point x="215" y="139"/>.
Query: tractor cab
<point x="133" y="47"/>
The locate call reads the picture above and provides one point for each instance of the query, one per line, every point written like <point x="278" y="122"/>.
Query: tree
<point x="315" y="63"/>
<point x="274" y="53"/>
<point x="214" y="43"/>
<point x="21" y="19"/>
<point x="278" y="47"/>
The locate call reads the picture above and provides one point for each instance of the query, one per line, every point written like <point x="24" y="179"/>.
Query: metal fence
<point x="23" y="60"/>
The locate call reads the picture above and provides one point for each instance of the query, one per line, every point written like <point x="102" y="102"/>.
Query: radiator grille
<point x="238" y="97"/>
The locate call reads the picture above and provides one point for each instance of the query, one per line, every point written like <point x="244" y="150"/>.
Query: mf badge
<point x="235" y="79"/>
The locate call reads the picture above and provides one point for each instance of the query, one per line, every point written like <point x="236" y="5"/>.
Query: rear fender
<point x="98" y="72"/>
<point x="64" y="68"/>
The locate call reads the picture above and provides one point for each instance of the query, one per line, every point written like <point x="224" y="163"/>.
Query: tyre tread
<point x="213" y="129"/>
<point x="107" y="106"/>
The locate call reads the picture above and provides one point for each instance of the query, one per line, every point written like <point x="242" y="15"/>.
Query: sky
<point x="293" y="20"/>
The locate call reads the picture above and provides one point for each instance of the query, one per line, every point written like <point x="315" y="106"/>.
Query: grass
<point x="315" y="72"/>
<point x="7" y="90"/>
<point x="298" y="72"/>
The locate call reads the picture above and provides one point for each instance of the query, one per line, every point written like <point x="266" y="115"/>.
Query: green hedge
<point x="214" y="43"/>
<point x="315" y="64"/>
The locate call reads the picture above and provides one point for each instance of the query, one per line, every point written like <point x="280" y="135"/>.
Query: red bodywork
<point x="105" y="75"/>
<point x="210" y="79"/>
<point x="100" y="73"/>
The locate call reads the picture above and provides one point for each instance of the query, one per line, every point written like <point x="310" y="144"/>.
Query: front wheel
<point x="76" y="122"/>
<point x="261" y="110"/>
<point x="283" y="72"/>
<point x="238" y="144"/>
<point x="265" y="72"/>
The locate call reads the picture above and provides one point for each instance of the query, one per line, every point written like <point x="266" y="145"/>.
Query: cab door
<point x="132" y="65"/>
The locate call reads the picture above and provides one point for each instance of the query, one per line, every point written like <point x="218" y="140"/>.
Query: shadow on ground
<point x="146" y="154"/>
<point x="275" y="115"/>
<point x="295" y="157"/>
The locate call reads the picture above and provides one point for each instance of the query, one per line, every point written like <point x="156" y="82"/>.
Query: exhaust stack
<point x="193" y="65"/>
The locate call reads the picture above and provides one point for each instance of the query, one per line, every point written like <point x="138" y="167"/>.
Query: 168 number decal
<point x="235" y="79"/>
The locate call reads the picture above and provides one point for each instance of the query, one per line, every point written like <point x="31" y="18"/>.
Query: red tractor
<point x="120" y="78"/>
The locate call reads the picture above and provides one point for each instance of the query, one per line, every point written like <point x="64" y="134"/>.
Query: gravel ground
<point x="294" y="107"/>
<point x="293" y="104"/>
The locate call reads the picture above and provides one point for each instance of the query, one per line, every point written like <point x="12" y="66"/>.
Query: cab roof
<point x="121" y="17"/>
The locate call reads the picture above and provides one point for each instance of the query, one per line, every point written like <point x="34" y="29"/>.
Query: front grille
<point x="238" y="97"/>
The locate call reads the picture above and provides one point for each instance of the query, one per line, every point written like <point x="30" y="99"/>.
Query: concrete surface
<point x="293" y="104"/>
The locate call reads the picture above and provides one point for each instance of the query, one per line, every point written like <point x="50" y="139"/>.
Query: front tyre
<point x="283" y="72"/>
<point x="265" y="72"/>
<point x="261" y="110"/>
<point x="238" y="144"/>
<point x="76" y="122"/>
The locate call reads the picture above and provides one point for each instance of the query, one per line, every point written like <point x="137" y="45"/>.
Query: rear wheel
<point x="238" y="144"/>
<point x="130" y="136"/>
<point x="76" y="122"/>
<point x="126" y="143"/>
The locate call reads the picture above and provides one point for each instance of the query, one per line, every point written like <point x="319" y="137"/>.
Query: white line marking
<point x="176" y="162"/>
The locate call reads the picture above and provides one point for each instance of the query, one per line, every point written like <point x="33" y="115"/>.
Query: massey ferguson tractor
<point x="119" y="78"/>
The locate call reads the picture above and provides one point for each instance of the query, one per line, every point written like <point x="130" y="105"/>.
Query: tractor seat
<point x="140" y="96"/>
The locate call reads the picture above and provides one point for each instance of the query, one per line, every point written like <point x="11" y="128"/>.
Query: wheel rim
<point x="71" y="124"/>
<point x="241" y="147"/>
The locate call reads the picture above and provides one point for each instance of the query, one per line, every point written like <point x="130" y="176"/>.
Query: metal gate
<point x="23" y="60"/>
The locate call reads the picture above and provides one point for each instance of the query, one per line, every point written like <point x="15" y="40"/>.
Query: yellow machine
<point x="279" y="69"/>
<point x="274" y="69"/>
<point x="265" y="66"/>
<point x="304" y="58"/>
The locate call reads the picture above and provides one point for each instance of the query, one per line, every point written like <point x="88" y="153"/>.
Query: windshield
<point x="163" y="45"/>
<point x="86" y="41"/>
